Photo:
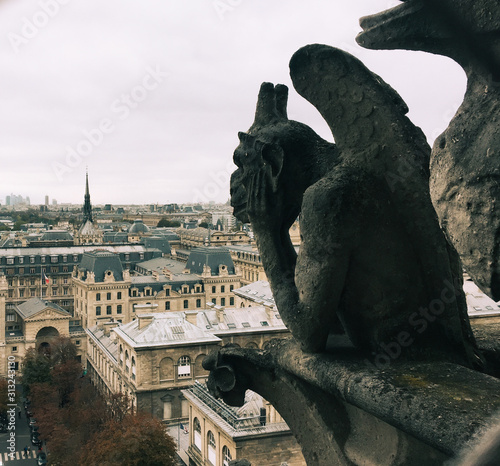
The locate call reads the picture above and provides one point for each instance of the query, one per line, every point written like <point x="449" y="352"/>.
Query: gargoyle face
<point x="249" y="162"/>
<point x="251" y="157"/>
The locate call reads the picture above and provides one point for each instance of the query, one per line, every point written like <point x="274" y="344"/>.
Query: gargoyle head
<point x="292" y="151"/>
<point x="463" y="30"/>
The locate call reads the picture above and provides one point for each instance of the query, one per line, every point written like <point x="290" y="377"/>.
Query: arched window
<point x="197" y="433"/>
<point x="184" y="367"/>
<point x="226" y="456"/>
<point x="121" y="355"/>
<point x="211" y="447"/>
<point x="133" y="368"/>
<point x="127" y="361"/>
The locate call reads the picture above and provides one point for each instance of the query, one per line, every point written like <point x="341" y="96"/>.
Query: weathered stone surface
<point x="343" y="410"/>
<point x="373" y="260"/>
<point x="465" y="164"/>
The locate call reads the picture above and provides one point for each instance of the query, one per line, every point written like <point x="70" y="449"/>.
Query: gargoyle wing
<point x="369" y="124"/>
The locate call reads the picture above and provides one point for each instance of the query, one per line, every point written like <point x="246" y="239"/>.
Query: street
<point x="22" y="436"/>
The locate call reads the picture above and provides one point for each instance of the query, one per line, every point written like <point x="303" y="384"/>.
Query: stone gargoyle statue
<point x="465" y="161"/>
<point x="373" y="262"/>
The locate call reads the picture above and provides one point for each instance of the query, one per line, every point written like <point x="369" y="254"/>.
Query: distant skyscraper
<point x="47" y="200"/>
<point x="7" y="200"/>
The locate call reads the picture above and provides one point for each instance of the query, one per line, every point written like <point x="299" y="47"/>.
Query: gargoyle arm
<point x="307" y="288"/>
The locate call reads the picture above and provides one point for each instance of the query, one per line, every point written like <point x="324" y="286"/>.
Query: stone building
<point x="198" y="237"/>
<point x="254" y="294"/>
<point x="104" y="289"/>
<point x="47" y="272"/>
<point x="247" y="259"/>
<point x="156" y="355"/>
<point x="35" y="324"/>
<point x="256" y="432"/>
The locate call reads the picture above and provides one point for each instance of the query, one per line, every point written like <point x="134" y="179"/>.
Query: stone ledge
<point x="442" y="405"/>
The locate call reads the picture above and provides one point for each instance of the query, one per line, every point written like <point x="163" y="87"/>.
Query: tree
<point x="138" y="440"/>
<point x="203" y="225"/>
<point x="36" y="369"/>
<point x="165" y="222"/>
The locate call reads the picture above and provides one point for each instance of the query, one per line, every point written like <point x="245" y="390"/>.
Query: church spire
<point x="87" y="206"/>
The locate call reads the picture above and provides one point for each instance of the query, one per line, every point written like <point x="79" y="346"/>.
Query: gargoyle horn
<point x="271" y="105"/>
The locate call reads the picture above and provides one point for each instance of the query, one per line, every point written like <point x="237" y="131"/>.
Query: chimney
<point x="191" y="317"/>
<point x="220" y="313"/>
<point x="144" y="320"/>
<point x="107" y="326"/>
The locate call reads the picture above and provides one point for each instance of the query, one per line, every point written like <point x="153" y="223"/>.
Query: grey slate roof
<point x="211" y="256"/>
<point x="259" y="291"/>
<point x="56" y="235"/>
<point x="165" y="329"/>
<point x="35" y="305"/>
<point x="138" y="227"/>
<point x="100" y="262"/>
<point x="157" y="242"/>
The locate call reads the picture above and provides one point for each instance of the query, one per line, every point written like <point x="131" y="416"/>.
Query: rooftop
<point x="259" y="291"/>
<point x="35" y="305"/>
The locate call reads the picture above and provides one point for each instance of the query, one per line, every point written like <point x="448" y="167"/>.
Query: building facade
<point x="155" y="356"/>
<point x="256" y="432"/>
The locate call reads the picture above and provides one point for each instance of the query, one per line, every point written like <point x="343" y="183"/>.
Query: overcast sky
<point x="162" y="87"/>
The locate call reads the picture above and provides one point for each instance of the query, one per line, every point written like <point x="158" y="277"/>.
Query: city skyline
<point x="151" y="97"/>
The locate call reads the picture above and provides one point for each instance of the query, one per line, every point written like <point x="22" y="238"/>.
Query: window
<point x="197" y="433"/>
<point x="54" y="259"/>
<point x="222" y="289"/>
<point x="11" y="317"/>
<point x="214" y="289"/>
<point x="54" y="291"/>
<point x="211" y="447"/>
<point x="32" y="281"/>
<point x="75" y="257"/>
<point x="65" y="291"/>
<point x="54" y="269"/>
<point x="214" y="300"/>
<point x="134" y="293"/>
<point x="43" y="259"/>
<point x="185" y="289"/>
<point x="133" y="368"/>
<point x="65" y="258"/>
<point x="184" y="367"/>
<point x="10" y="260"/>
<point x="32" y="259"/>
<point x="21" y="260"/>
<point x="198" y="303"/>
<point x="186" y="304"/>
<point x="167" y="292"/>
<point x="98" y="310"/>
<point x="167" y="305"/>
<point x="226" y="456"/>
<point x="119" y="309"/>
<point x="231" y="287"/>
<point x="21" y="270"/>
<point x="32" y="292"/>
<point x="44" y="292"/>
<point x="119" y="295"/>
<point x="14" y="349"/>
<point x="108" y="310"/>
<point x="21" y="293"/>
<point x="77" y="343"/>
<point x="223" y="301"/>
<point x="98" y="296"/>
<point x="11" y="293"/>
<point x="231" y="301"/>
<point x="108" y="296"/>
<point x="148" y="292"/>
<point x="32" y="270"/>
<point x="10" y="282"/>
